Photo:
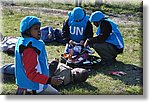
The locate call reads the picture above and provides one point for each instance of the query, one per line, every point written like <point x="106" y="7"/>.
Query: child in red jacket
<point x="31" y="66"/>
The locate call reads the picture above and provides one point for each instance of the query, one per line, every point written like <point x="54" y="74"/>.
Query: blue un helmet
<point x="77" y="13"/>
<point x="28" y="22"/>
<point x="96" y="16"/>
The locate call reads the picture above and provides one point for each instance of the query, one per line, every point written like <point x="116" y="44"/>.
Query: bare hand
<point x="71" y="42"/>
<point x="86" y="43"/>
<point x="81" y="42"/>
<point x="55" y="80"/>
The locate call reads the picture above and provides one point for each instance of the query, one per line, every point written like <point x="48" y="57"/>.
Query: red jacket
<point x="29" y="58"/>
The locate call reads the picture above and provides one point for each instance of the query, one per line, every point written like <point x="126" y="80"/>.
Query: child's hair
<point x="26" y="23"/>
<point x="26" y="33"/>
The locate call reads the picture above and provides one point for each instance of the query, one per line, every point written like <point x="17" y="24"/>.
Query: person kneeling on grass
<point x="109" y="42"/>
<point x="76" y="29"/>
<point x="31" y="63"/>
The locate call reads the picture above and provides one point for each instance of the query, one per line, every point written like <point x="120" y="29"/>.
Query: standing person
<point x="31" y="63"/>
<point x="77" y="28"/>
<point x="109" y="42"/>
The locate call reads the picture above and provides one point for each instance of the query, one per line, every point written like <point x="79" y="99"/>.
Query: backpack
<point x="8" y="45"/>
<point x="47" y="34"/>
<point x="8" y="72"/>
<point x="58" y="36"/>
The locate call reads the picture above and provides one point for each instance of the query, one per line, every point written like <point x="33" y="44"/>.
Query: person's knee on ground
<point x="107" y="53"/>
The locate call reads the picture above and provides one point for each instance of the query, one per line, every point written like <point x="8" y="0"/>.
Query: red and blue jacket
<point x="31" y="67"/>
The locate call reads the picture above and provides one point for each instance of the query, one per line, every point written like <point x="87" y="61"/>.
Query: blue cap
<point x="77" y="13"/>
<point x="27" y="22"/>
<point x="96" y="16"/>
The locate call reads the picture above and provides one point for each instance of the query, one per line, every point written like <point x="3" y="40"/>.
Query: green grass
<point x="99" y="81"/>
<point x="115" y="8"/>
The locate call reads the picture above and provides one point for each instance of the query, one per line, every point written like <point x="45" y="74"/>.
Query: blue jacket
<point x="77" y="29"/>
<point x="115" y="37"/>
<point x="21" y="79"/>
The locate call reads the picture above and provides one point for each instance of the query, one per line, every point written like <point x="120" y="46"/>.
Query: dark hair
<point x="53" y="66"/>
<point x="80" y="76"/>
<point x="26" y="33"/>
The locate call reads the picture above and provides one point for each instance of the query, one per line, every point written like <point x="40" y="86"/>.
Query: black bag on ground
<point x="47" y="34"/>
<point x="90" y="63"/>
<point x="8" y="45"/>
<point x="8" y="72"/>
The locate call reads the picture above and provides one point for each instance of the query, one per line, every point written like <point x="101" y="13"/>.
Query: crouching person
<point x="31" y="68"/>
<point x="76" y="29"/>
<point x="109" y="42"/>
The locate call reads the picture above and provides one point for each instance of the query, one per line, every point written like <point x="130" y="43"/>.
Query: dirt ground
<point x="119" y="19"/>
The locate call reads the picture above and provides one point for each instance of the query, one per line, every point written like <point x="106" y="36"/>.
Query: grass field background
<point x="129" y="19"/>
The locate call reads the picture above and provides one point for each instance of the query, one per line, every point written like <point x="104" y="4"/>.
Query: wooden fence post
<point x="78" y="2"/>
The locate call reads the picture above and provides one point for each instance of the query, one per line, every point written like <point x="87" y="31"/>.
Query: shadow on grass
<point x="54" y="44"/>
<point x="77" y="88"/>
<point x="133" y="76"/>
<point x="72" y="86"/>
